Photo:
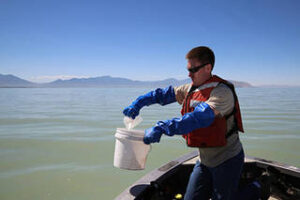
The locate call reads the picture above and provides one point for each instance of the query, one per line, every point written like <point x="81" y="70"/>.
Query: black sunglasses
<point x="195" y="69"/>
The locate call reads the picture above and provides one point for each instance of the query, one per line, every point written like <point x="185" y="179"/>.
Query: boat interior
<point x="170" y="180"/>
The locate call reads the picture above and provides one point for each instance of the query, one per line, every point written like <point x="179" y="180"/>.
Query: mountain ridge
<point x="10" y="81"/>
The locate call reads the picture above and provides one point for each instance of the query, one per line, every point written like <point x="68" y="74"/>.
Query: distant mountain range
<point x="11" y="81"/>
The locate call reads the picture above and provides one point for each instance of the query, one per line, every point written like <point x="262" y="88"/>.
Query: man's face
<point x="201" y="75"/>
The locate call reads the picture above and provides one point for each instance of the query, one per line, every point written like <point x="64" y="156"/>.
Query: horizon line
<point x="70" y="77"/>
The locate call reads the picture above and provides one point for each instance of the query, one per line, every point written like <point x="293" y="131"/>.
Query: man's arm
<point x="202" y="116"/>
<point x="220" y="103"/>
<point x="181" y="92"/>
<point x="217" y="113"/>
<point x="221" y="100"/>
<point x="161" y="96"/>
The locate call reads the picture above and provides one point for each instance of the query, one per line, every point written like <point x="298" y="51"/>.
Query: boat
<point x="170" y="180"/>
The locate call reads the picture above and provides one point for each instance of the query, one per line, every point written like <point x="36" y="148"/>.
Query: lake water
<point x="59" y="143"/>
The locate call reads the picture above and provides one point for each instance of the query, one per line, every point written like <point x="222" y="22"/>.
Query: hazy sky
<point x="257" y="41"/>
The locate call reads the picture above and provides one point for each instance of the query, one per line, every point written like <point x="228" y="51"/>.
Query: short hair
<point x="203" y="54"/>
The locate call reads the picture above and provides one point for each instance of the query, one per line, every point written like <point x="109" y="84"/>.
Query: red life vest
<point x="215" y="135"/>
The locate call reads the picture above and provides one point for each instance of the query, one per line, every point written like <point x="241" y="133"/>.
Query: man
<point x="210" y="121"/>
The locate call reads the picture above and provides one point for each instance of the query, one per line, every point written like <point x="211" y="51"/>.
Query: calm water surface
<point x="59" y="143"/>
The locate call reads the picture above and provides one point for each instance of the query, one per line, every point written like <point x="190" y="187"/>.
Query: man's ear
<point x="208" y="68"/>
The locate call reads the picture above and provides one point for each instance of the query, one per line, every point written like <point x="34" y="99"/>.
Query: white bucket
<point x="130" y="150"/>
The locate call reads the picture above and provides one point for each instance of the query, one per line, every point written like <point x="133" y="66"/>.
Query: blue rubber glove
<point x="153" y="134"/>
<point x="160" y="96"/>
<point x="202" y="116"/>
